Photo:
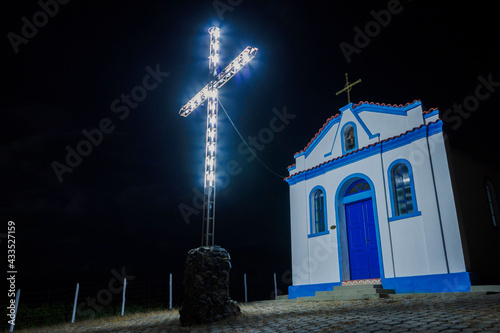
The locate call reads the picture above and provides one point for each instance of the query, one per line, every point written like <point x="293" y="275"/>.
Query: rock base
<point x="206" y="287"/>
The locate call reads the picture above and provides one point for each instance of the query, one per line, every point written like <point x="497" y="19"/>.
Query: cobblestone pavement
<point x="434" y="313"/>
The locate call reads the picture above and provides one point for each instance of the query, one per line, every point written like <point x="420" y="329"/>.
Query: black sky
<point x="120" y="206"/>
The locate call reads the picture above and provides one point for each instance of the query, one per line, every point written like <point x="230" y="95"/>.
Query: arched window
<point x="492" y="201"/>
<point x="357" y="187"/>
<point x="318" y="212"/>
<point x="349" y="137"/>
<point x="403" y="199"/>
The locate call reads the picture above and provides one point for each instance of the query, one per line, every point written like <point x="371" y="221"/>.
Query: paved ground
<point x="435" y="313"/>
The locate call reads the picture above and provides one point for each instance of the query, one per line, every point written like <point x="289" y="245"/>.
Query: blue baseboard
<point x="436" y="283"/>
<point x="309" y="289"/>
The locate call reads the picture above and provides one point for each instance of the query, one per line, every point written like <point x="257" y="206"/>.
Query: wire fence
<point x="49" y="307"/>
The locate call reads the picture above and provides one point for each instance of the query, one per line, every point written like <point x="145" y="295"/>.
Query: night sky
<point x="119" y="206"/>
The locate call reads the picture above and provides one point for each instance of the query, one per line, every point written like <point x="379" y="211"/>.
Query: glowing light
<point x="246" y="57"/>
<point x="211" y="134"/>
<point x="212" y="120"/>
<point x="210" y="92"/>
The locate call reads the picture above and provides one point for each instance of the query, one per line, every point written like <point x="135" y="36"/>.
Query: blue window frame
<point x="349" y="137"/>
<point x="402" y="190"/>
<point x="358" y="187"/>
<point x="318" y="212"/>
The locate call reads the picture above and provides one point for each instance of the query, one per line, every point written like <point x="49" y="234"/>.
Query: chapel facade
<point x="374" y="197"/>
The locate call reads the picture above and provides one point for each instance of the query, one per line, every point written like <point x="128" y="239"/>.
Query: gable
<point x="370" y="122"/>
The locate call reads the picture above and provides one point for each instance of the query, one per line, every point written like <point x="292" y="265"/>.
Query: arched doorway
<point x="358" y="229"/>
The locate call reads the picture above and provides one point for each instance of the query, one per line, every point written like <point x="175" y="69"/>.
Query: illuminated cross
<point x="210" y="92"/>
<point x="347" y="88"/>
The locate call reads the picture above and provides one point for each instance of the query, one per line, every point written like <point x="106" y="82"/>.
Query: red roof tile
<point x="383" y="104"/>
<point x="355" y="106"/>
<point x="318" y="133"/>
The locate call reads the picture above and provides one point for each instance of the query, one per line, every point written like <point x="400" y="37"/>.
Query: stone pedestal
<point x="206" y="287"/>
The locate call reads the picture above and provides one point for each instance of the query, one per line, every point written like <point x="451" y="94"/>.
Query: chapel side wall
<point x="448" y="212"/>
<point x="417" y="242"/>
<point x="298" y="231"/>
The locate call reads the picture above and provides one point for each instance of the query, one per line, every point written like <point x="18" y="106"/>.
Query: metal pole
<point x="74" y="303"/>
<point x="170" y="293"/>
<point x="275" y="288"/>
<point x="123" y="297"/>
<point x="15" y="310"/>
<point x="245" y="283"/>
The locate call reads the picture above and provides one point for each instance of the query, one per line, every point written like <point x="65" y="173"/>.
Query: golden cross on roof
<point x="347" y="88"/>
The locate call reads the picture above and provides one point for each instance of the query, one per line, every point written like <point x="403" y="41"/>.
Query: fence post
<point x="245" y="283"/>
<point x="74" y="304"/>
<point x="15" y="310"/>
<point x="275" y="288"/>
<point x="149" y="293"/>
<point x="170" y="293"/>
<point x="123" y="297"/>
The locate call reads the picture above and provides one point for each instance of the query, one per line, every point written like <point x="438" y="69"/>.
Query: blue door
<point x="363" y="252"/>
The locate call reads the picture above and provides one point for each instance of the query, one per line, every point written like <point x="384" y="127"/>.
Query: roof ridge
<point x="384" y="104"/>
<point x="430" y="110"/>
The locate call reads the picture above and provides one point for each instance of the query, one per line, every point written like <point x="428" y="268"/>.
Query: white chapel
<point x="373" y="200"/>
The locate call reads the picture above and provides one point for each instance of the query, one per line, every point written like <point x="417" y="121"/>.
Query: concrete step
<point x="337" y="297"/>
<point x="358" y="286"/>
<point x="354" y="291"/>
<point x="351" y="292"/>
<point x="485" y="289"/>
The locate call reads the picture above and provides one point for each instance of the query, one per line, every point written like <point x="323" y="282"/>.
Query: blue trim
<point x="326" y="232"/>
<point x="311" y="212"/>
<point x="292" y="167"/>
<point x="406" y="216"/>
<point x="345" y="107"/>
<point x="318" y="138"/>
<point x="430" y="114"/>
<point x="403" y="140"/>
<point x="342" y="133"/>
<point x="334" y="164"/>
<point x="339" y="201"/>
<point x="355" y="184"/>
<point x="415" y="212"/>
<point x="362" y="123"/>
<point x="334" y="140"/>
<point x="357" y="197"/>
<point x="396" y="110"/>
<point x="310" y="289"/>
<point x="436" y="283"/>
<point x="434" y="128"/>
